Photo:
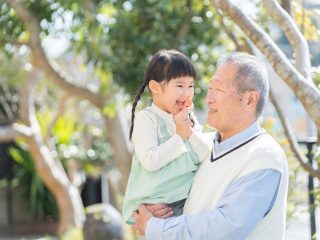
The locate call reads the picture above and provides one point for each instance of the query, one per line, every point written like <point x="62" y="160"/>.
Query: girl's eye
<point x="179" y="86"/>
<point x="191" y="86"/>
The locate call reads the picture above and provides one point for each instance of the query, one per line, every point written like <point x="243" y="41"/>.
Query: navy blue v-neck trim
<point x="234" y="148"/>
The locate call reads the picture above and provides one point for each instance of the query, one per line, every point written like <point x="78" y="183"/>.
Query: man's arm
<point x="242" y="206"/>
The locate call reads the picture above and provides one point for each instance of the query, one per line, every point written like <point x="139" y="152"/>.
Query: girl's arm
<point x="152" y="155"/>
<point x="201" y="143"/>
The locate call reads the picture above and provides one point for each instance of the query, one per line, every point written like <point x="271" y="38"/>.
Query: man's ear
<point x="252" y="99"/>
<point x="154" y="87"/>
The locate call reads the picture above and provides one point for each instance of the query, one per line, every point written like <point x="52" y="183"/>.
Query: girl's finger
<point x="162" y="212"/>
<point x="187" y="122"/>
<point x="168" y="214"/>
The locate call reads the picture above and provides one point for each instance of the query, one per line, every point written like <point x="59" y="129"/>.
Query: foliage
<point x="316" y="76"/>
<point x="12" y="30"/>
<point x="306" y="22"/>
<point x="74" y="140"/>
<point x="118" y="37"/>
<point x="112" y="38"/>
<point x="10" y="77"/>
<point x="142" y="27"/>
<point x="73" y="234"/>
<point x="9" y="105"/>
<point x="11" y="70"/>
<point x="30" y="187"/>
<point x="66" y="128"/>
<point x="98" y="157"/>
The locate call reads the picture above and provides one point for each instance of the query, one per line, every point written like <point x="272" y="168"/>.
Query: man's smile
<point x="212" y="110"/>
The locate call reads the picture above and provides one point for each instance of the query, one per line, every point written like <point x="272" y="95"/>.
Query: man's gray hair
<point x="251" y="75"/>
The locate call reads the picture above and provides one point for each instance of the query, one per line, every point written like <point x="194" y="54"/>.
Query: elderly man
<point x="240" y="191"/>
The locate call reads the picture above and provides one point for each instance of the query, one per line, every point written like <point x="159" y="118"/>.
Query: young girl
<point x="167" y="146"/>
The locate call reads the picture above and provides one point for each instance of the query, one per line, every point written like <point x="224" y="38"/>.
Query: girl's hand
<point x="183" y="123"/>
<point x="189" y="103"/>
<point x="159" y="210"/>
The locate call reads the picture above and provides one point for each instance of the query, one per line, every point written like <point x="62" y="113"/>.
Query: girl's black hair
<point x="163" y="66"/>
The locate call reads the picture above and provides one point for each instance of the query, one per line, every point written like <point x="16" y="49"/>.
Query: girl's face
<point x="175" y="95"/>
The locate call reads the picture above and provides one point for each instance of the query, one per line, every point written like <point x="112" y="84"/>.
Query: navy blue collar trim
<point x="233" y="149"/>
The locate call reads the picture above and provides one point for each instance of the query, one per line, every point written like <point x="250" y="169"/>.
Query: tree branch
<point x="285" y="123"/>
<point x="49" y="170"/>
<point x="229" y="33"/>
<point x="114" y="125"/>
<point x="182" y="32"/>
<point x="6" y="108"/>
<point x="52" y="70"/>
<point x="15" y="43"/>
<point x="288" y="131"/>
<point x="287" y="5"/>
<point x="185" y="27"/>
<point x="242" y="43"/>
<point x="307" y="92"/>
<point x="11" y="132"/>
<point x="294" y="36"/>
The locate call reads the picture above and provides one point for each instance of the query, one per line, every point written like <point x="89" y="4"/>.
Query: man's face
<point x="224" y="103"/>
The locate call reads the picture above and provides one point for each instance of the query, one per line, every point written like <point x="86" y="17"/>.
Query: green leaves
<point x="109" y="109"/>
<point x="118" y="37"/>
<point x="306" y="23"/>
<point x="10" y="25"/>
<point x="30" y="187"/>
<point x="65" y="127"/>
<point x="316" y="76"/>
<point x="152" y="25"/>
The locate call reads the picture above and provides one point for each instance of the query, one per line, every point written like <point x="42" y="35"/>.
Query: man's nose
<point x="210" y="97"/>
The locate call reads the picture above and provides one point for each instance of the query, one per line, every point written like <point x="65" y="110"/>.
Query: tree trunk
<point x="295" y="37"/>
<point x="307" y="92"/>
<point x="116" y="134"/>
<point x="49" y="170"/>
<point x="117" y="138"/>
<point x="273" y="54"/>
<point x="287" y="5"/>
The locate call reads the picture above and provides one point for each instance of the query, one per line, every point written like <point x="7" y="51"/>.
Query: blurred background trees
<point x="69" y="70"/>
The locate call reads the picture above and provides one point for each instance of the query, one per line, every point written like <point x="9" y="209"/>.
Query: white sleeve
<point x="201" y="144"/>
<point x="151" y="154"/>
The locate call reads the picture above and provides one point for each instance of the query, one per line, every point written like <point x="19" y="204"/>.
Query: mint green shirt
<point x="170" y="183"/>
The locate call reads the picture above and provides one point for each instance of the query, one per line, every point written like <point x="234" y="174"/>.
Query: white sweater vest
<point x="213" y="178"/>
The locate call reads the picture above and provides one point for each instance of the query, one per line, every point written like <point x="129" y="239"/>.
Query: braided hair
<point x="163" y="66"/>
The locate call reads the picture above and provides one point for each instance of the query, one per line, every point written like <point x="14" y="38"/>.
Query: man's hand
<point x="183" y="123"/>
<point x="141" y="217"/>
